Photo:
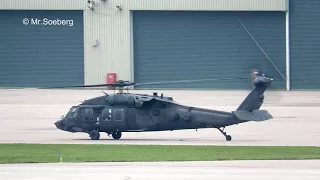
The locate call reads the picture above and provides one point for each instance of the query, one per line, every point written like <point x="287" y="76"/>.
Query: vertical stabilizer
<point x="255" y="99"/>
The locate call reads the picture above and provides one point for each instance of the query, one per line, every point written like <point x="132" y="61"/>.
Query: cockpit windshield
<point x="72" y="112"/>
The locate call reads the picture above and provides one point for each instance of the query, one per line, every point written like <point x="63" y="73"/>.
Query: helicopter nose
<point x="59" y="124"/>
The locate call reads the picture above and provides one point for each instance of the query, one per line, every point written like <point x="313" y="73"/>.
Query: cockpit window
<point x="72" y="112"/>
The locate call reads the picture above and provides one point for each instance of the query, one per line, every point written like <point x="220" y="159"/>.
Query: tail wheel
<point x="116" y="135"/>
<point x="94" y="135"/>
<point x="228" y="137"/>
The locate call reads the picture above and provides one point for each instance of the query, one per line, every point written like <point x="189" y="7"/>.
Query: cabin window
<point x="72" y="112"/>
<point x="88" y="114"/>
<point x="107" y="115"/>
<point x="118" y="114"/>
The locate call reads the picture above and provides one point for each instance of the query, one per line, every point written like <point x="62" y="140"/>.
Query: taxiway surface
<point x="227" y="170"/>
<point x="27" y="116"/>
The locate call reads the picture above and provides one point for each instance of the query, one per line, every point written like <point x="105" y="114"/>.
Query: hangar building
<point x="57" y="43"/>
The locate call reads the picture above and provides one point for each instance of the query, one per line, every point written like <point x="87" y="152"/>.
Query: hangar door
<point x="41" y="48"/>
<point x="189" y="45"/>
<point x="305" y="42"/>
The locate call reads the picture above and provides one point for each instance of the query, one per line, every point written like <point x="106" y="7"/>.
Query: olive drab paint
<point x="126" y="112"/>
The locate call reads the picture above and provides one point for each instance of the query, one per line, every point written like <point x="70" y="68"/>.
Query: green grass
<point x="36" y="153"/>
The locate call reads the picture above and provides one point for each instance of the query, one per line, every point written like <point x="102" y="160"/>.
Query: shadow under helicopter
<point x="200" y="140"/>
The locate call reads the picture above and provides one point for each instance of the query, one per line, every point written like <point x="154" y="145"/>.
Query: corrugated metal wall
<point x="179" y="46"/>
<point x="305" y="43"/>
<point x="112" y="28"/>
<point x="211" y="5"/>
<point x="44" y="4"/>
<point x="242" y="5"/>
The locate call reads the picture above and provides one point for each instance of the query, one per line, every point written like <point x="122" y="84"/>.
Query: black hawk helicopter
<point x="126" y="112"/>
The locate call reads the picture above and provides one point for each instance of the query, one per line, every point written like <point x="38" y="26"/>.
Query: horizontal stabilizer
<point x="257" y="115"/>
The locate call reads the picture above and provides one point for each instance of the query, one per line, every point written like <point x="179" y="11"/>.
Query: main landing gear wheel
<point x="116" y="135"/>
<point x="94" y="135"/>
<point x="228" y="137"/>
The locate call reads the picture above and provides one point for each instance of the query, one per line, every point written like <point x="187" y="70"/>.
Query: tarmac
<point x="27" y="116"/>
<point x="223" y="170"/>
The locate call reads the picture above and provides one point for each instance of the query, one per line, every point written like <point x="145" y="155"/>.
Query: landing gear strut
<point x="228" y="137"/>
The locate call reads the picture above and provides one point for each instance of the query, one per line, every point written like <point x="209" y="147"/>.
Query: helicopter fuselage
<point x="157" y="116"/>
<point x="125" y="112"/>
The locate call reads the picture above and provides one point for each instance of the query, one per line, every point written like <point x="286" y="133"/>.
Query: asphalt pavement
<point x="28" y="116"/>
<point x="223" y="170"/>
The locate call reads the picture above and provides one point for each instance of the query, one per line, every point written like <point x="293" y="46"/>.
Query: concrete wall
<point x="111" y="28"/>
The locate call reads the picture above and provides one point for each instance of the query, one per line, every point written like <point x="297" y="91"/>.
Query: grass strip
<point x="45" y="153"/>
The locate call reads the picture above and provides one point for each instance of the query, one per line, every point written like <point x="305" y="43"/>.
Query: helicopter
<point x="127" y="112"/>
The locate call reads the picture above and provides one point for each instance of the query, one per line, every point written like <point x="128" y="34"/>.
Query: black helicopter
<point x="126" y="112"/>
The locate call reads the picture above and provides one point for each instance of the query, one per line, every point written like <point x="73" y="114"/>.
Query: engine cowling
<point x="128" y="100"/>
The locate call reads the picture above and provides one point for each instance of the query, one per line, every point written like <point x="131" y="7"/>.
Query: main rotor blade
<point x="115" y="84"/>
<point x="79" y="86"/>
<point x="189" y="81"/>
